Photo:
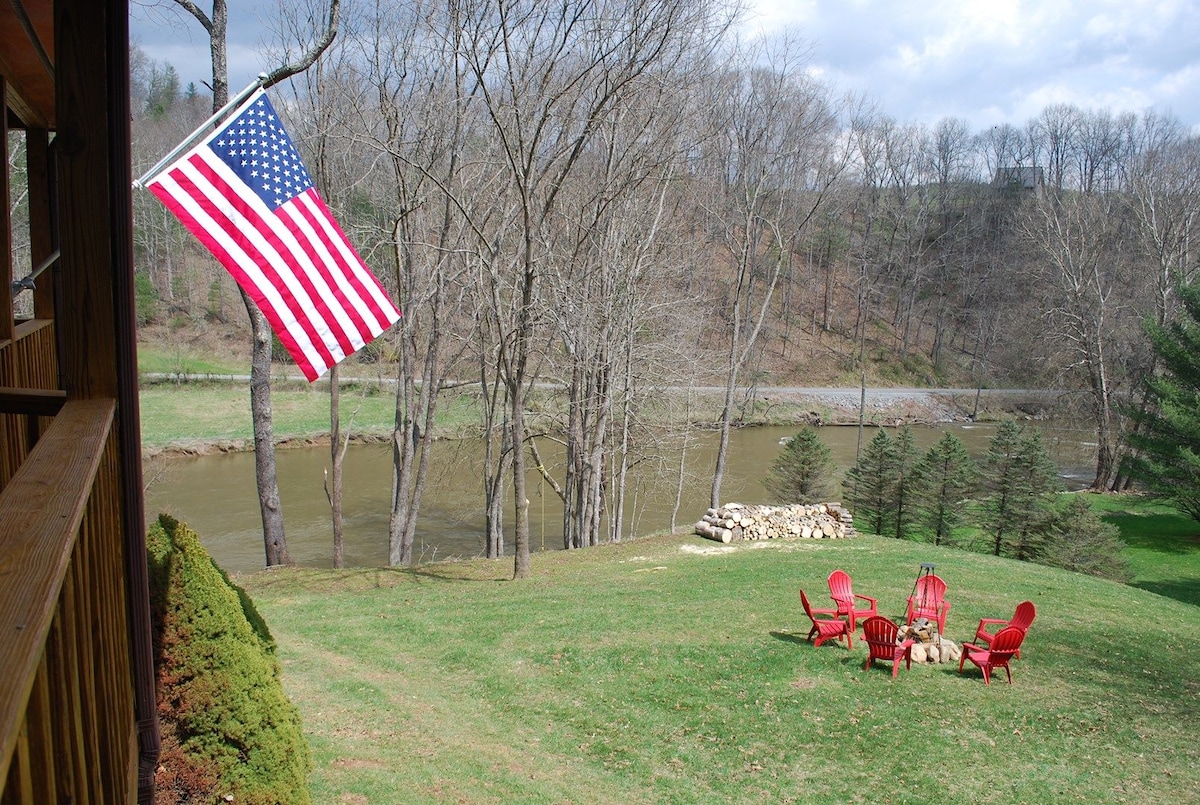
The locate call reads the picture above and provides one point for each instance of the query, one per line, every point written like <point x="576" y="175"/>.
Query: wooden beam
<point x="87" y="334"/>
<point x="31" y="402"/>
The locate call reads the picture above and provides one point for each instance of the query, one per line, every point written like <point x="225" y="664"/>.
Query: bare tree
<point x="548" y="74"/>
<point x="1078" y="240"/>
<point x="1054" y="137"/>
<point x="216" y="26"/>
<point x="773" y="147"/>
<point x="1164" y="182"/>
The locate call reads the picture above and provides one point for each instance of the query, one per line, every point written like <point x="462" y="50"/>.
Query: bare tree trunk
<point x="274" y="541"/>
<point x="264" y="438"/>
<point x="336" y="456"/>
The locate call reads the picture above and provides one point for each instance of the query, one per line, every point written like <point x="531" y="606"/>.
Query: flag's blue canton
<point x="255" y="146"/>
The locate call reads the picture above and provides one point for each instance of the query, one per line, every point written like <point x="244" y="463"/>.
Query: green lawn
<point x="1163" y="546"/>
<point x="184" y="362"/>
<point x="674" y="670"/>
<point x="199" y="412"/>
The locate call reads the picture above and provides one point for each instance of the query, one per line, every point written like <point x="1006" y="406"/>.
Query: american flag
<point x="244" y="192"/>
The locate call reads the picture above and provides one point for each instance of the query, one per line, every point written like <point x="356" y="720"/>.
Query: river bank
<point x="210" y="415"/>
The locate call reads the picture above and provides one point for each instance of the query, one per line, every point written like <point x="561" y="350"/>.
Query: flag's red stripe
<point x="253" y="257"/>
<point x="296" y="262"/>
<point x="231" y="265"/>
<point x="358" y="275"/>
<point x="319" y="261"/>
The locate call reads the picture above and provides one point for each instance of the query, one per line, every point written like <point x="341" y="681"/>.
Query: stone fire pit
<point x="928" y="646"/>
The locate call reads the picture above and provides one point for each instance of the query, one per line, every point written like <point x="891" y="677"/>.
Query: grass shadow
<point x="790" y="637"/>
<point x="1186" y="590"/>
<point x="1161" y="532"/>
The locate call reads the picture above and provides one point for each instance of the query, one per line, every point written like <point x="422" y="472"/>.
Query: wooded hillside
<point x="622" y="197"/>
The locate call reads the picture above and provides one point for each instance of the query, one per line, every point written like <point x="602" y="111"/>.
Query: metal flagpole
<point x="200" y="130"/>
<point x="27" y="283"/>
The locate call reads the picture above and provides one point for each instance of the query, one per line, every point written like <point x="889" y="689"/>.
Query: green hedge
<point x="228" y="727"/>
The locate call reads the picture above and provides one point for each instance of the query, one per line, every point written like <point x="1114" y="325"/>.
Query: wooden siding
<point x="67" y="730"/>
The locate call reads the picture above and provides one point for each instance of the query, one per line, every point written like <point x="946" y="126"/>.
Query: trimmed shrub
<point x="228" y="727"/>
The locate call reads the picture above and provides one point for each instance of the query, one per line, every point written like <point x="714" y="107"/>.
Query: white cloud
<point x="1002" y="61"/>
<point x="987" y="61"/>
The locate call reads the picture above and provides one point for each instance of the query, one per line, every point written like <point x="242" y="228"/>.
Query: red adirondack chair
<point x="1022" y="619"/>
<point x="825" y="628"/>
<point x="881" y="636"/>
<point x="929" y="601"/>
<point x="1004" y="646"/>
<point x="840" y="590"/>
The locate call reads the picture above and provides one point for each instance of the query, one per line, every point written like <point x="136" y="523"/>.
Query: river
<point x="215" y="494"/>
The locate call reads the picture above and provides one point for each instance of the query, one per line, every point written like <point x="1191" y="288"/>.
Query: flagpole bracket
<point x="201" y="129"/>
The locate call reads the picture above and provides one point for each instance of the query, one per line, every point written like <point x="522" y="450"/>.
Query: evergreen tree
<point x="163" y="91"/>
<point x="1000" y="478"/>
<point x="904" y="505"/>
<point x="1038" y="481"/>
<point x="1019" y="477"/>
<point x="803" y="471"/>
<point x="228" y="725"/>
<point x="943" y="477"/>
<point x="1080" y="541"/>
<point x="870" y="484"/>
<point x="1166" y="439"/>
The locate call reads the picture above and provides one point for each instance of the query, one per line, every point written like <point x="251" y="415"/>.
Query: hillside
<point x="807" y="357"/>
<point x="672" y="669"/>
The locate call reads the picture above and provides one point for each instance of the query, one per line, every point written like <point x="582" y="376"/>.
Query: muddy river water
<point x="215" y="494"/>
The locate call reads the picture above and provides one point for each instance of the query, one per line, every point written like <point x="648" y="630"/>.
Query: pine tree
<point x="1166" y="439"/>
<point x="803" y="471"/>
<point x="904" y="505"/>
<point x="1019" y="477"/>
<point x="1000" y="479"/>
<point x="1080" y="541"/>
<point x="870" y="484"/>
<point x="1038" y="481"/>
<point x="163" y="91"/>
<point x="943" y="477"/>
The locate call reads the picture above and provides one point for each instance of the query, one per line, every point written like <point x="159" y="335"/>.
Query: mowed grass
<point x="198" y="413"/>
<point x="670" y="669"/>
<point x="1163" y="546"/>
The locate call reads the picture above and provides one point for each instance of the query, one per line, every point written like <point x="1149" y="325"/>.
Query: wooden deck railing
<point x="67" y="730"/>
<point x="27" y="363"/>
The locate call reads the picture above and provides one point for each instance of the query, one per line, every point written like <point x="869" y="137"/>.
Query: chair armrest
<point x="991" y="622"/>
<point x="867" y="598"/>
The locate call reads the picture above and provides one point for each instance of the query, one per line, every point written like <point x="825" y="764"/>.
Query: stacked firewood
<point x="734" y="522"/>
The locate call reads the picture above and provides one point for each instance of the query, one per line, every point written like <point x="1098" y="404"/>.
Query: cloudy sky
<point x="987" y="61"/>
<point x="1003" y="61"/>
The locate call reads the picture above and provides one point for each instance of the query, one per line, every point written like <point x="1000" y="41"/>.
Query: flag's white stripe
<point x="285" y="312"/>
<point x="299" y="259"/>
<point x="383" y="306"/>
<point x="344" y="294"/>
<point x="284" y="266"/>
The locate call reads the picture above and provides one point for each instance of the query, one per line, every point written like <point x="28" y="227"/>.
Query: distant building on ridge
<point x="1030" y="180"/>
